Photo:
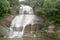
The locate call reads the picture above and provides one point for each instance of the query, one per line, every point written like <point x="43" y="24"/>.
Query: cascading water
<point x="26" y="16"/>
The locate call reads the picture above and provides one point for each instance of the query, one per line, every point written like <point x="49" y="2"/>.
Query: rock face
<point x="34" y="29"/>
<point x="4" y="24"/>
<point x="6" y="21"/>
<point x="4" y="31"/>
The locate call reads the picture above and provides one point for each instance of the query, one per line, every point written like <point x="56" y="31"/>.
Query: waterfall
<point x="26" y="16"/>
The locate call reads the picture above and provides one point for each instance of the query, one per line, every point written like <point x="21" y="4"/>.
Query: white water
<point x="21" y="0"/>
<point x="26" y="16"/>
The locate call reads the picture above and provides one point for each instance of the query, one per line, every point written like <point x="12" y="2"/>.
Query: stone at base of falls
<point x="16" y="34"/>
<point x="50" y="29"/>
<point x="4" y="31"/>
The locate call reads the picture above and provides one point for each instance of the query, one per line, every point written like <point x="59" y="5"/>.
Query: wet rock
<point x="4" y="31"/>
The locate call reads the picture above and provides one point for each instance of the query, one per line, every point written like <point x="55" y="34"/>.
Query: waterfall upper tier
<point x="25" y="9"/>
<point x="21" y="0"/>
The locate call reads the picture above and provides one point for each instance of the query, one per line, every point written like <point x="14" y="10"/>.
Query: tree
<point x="14" y="6"/>
<point x="4" y="7"/>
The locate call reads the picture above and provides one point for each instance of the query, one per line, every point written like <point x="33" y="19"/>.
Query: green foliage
<point x="4" y="7"/>
<point x="14" y="6"/>
<point x="13" y="2"/>
<point x="49" y="8"/>
<point x="7" y="5"/>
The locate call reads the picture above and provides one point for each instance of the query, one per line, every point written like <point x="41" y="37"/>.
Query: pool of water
<point x="27" y="38"/>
